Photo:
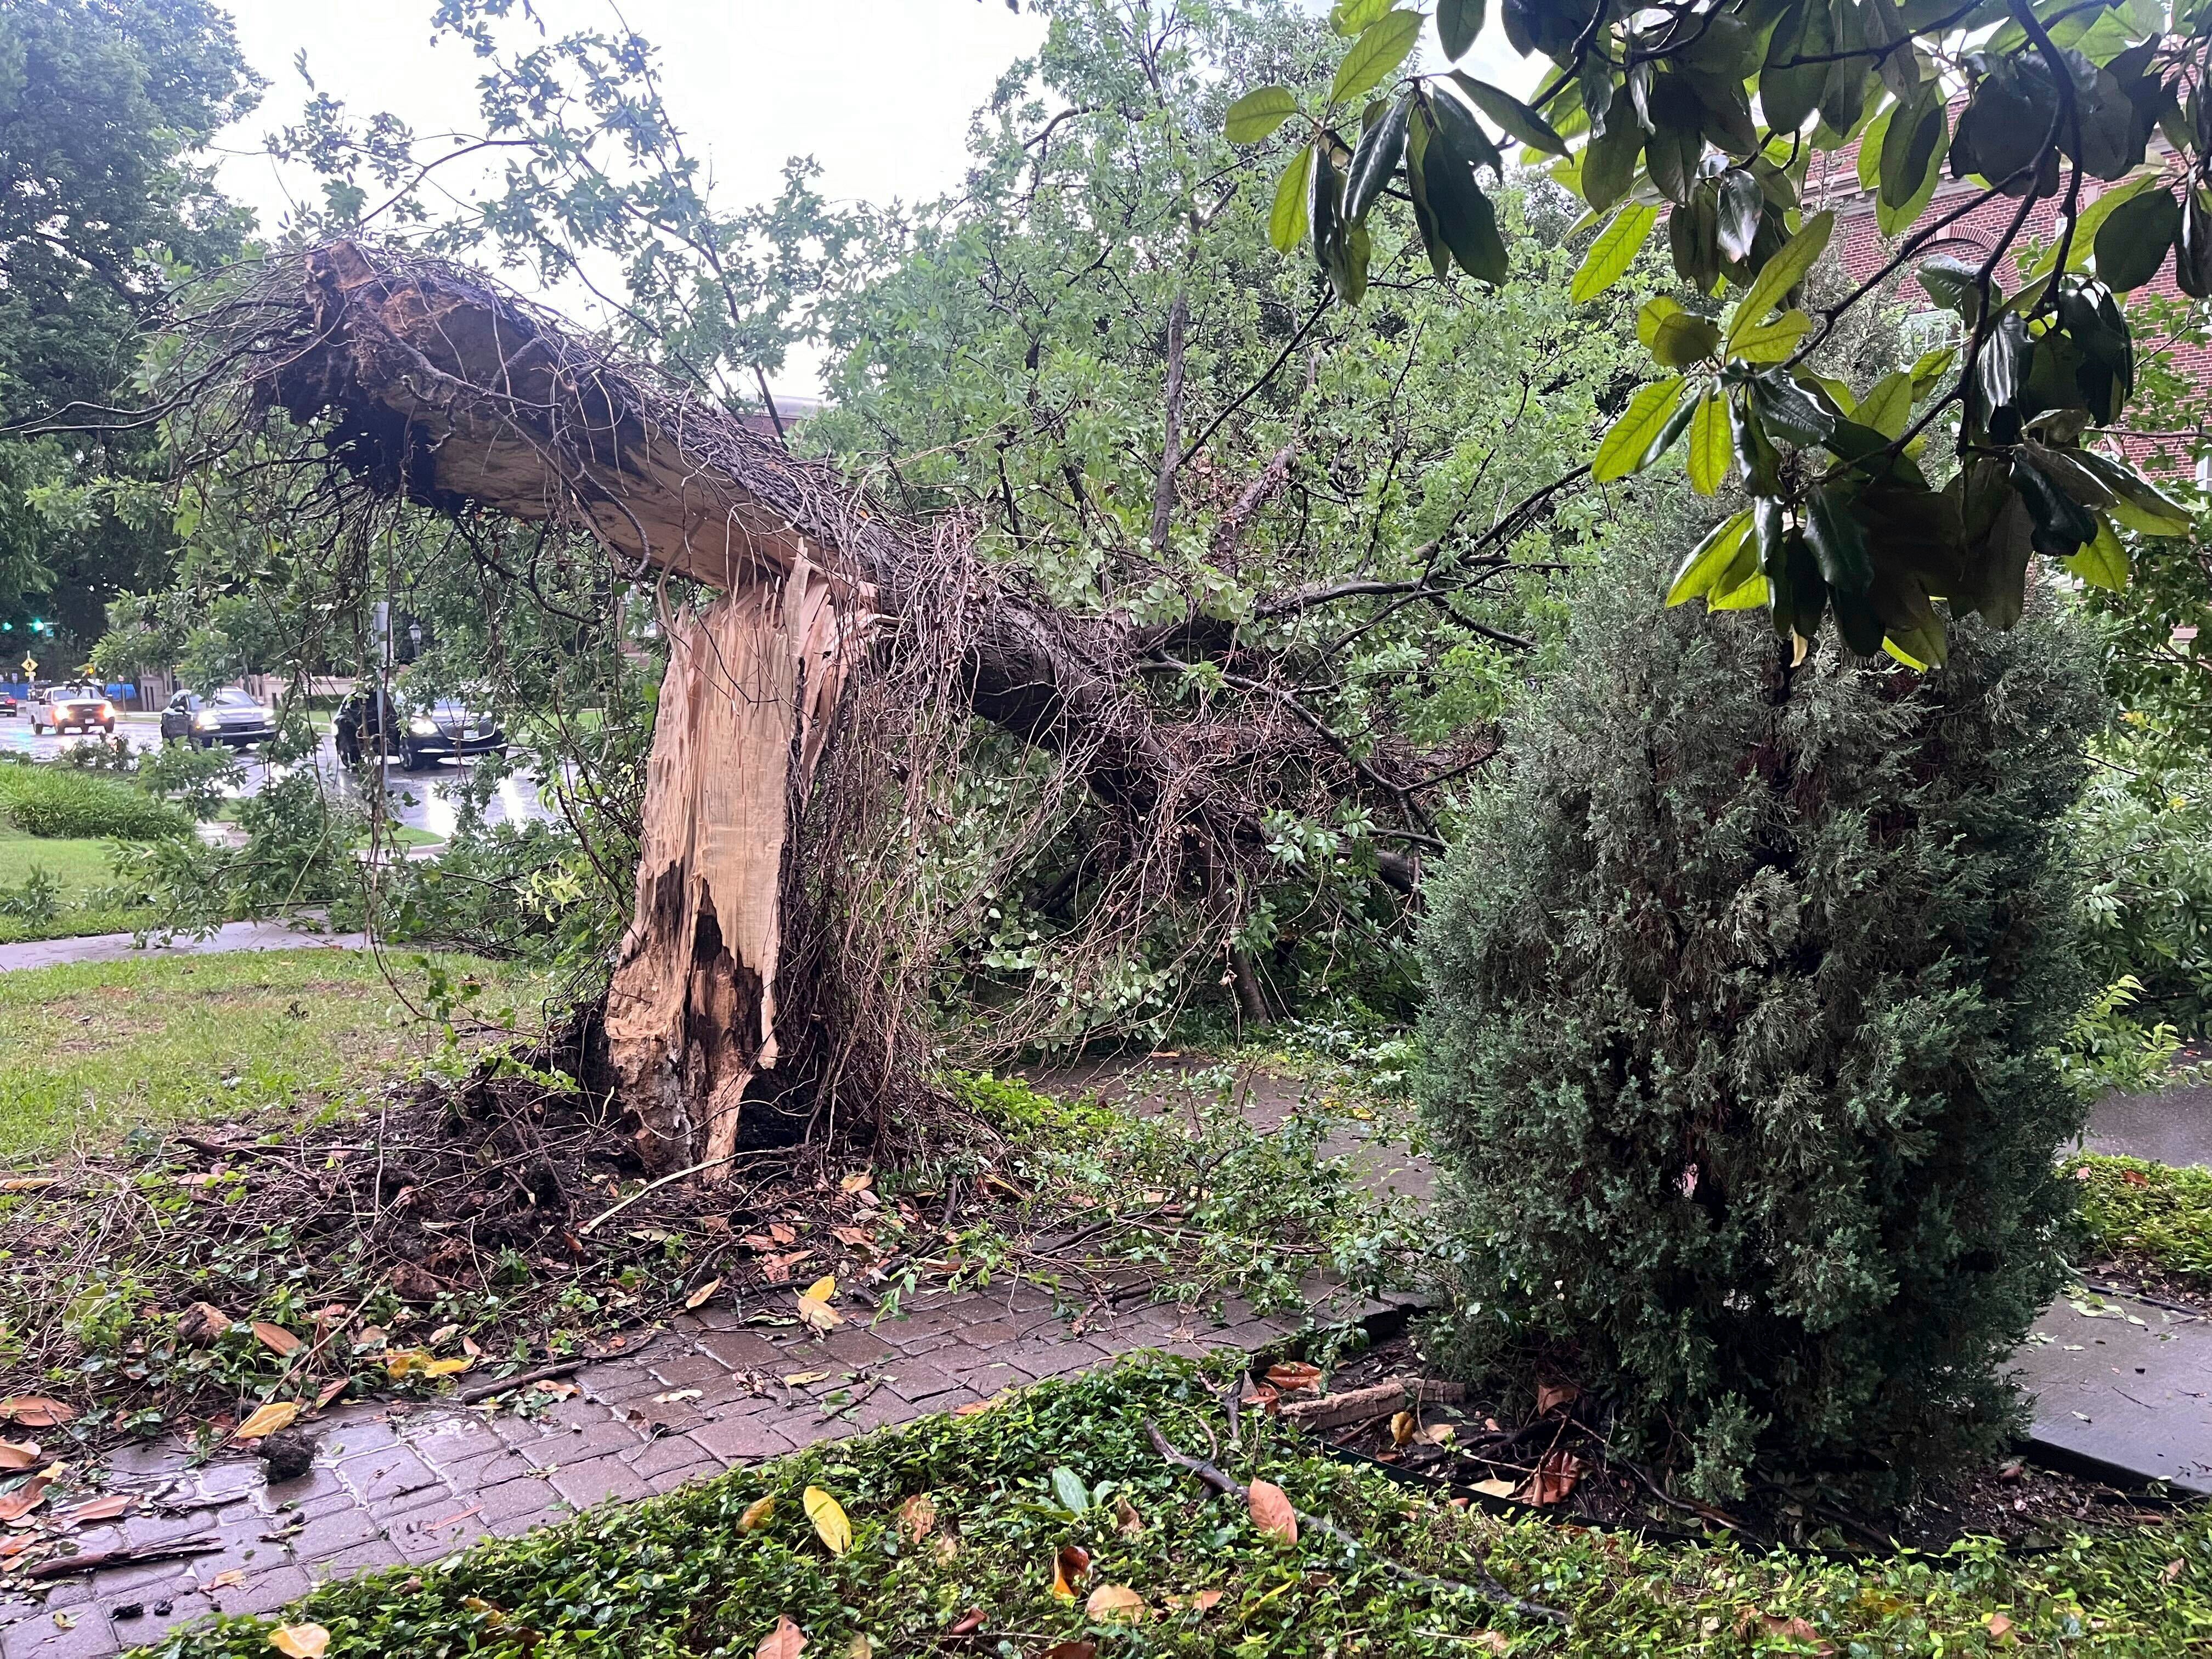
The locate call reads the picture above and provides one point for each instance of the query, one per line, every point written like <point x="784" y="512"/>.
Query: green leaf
<point x="1782" y="271"/>
<point x="1742" y="203"/>
<point x="1750" y="594"/>
<point x="1871" y="138"/>
<point x="1622" y="448"/>
<point x="1679" y="338"/>
<point x="1381" y="47"/>
<point x="1713" y="446"/>
<point x="1287" y="219"/>
<point x="1351" y="17"/>
<point x="2103" y="563"/>
<point x="1911" y="163"/>
<point x="1258" y="113"/>
<point x="2087" y="222"/>
<point x="1458" y="21"/>
<point x="1771" y="341"/>
<point x="2136" y="502"/>
<point x="1510" y="114"/>
<point x="1656" y="310"/>
<point x="1789" y="91"/>
<point x="1608" y="161"/>
<point x="1613" y="252"/>
<point x="1888" y="405"/>
<point x="1787" y="411"/>
<point x="1068" y="1488"/>
<point x="1377" y="158"/>
<point x="1837" y="542"/>
<point x="1711" y="559"/>
<point x="1949" y="282"/>
<point x="2132" y="242"/>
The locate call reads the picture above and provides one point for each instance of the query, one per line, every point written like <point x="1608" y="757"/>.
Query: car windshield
<point x="235" y="698"/>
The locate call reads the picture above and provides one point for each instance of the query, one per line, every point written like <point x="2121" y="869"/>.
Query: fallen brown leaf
<point x="2173" y="1570"/>
<point x="1077" y="1650"/>
<point x="1491" y="1641"/>
<point x="1126" y="1521"/>
<point x="278" y="1340"/>
<point x="1402" y="1427"/>
<point x="25" y="1184"/>
<point x="102" y="1509"/>
<point x="1115" y="1604"/>
<point x="1291" y="1375"/>
<point x="230" y="1580"/>
<point x="1554" y="1479"/>
<point x="1070" y="1565"/>
<point x="1200" y="1601"/>
<point x="785" y="1641"/>
<point x="202" y="1323"/>
<point x="859" y="1238"/>
<point x="703" y="1295"/>
<point x="918" y="1517"/>
<point x="1271" y="1512"/>
<point x="758" y="1514"/>
<point x="818" y="1314"/>
<point x="330" y="1391"/>
<point x="2000" y="1627"/>
<point x="859" y="1181"/>
<point x="967" y="1624"/>
<point x="26" y="1498"/>
<point x="1550" y="1396"/>
<point x="17" y="1456"/>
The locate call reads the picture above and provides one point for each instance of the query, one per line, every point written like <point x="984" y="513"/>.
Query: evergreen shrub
<point x="1740" y="1037"/>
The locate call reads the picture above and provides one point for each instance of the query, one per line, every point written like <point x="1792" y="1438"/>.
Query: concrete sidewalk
<point x="123" y="947"/>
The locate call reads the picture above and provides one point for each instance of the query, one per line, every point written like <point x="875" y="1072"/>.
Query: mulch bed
<point x="2135" y="1275"/>
<point x="1555" y="1462"/>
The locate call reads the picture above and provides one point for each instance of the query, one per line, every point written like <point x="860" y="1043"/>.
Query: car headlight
<point x="206" y="722"/>
<point x="423" y="727"/>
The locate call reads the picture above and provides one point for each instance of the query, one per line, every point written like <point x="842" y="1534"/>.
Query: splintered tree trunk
<point x="753" y="685"/>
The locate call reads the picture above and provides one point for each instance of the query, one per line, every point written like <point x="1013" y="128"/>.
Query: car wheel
<point x="409" y="760"/>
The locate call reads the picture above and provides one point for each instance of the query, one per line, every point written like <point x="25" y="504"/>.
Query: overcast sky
<point x="879" y="92"/>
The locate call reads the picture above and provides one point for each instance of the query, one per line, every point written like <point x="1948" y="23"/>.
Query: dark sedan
<point x="450" y="728"/>
<point x="229" y="716"/>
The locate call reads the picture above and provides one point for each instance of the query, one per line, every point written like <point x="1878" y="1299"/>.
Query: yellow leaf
<point x="756" y="1513"/>
<point x="276" y="1414"/>
<point x="1401" y="1430"/>
<point x="1615" y="250"/>
<point x="1712" y="445"/>
<point x="701" y="1296"/>
<point x="447" y="1367"/>
<point x="1070" y="1565"/>
<point x="830" y="1525"/>
<point x="823" y="1289"/>
<point x="1622" y="450"/>
<point x="301" y="1641"/>
<point x="1769" y="342"/>
<point x="1271" y="1505"/>
<point x="800" y="1379"/>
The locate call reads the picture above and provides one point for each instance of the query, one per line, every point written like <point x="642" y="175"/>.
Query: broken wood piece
<point x="1357" y="1405"/>
<point x="67" y="1566"/>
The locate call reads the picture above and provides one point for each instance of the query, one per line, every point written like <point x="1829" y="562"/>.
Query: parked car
<point x="230" y="716"/>
<point x="8" y="707"/>
<point x="450" y="728"/>
<point x="70" y="708"/>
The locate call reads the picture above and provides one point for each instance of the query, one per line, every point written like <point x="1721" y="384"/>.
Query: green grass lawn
<point x="2153" y="1211"/>
<point x="90" y="1050"/>
<point x="711" y="1569"/>
<point x="79" y="866"/>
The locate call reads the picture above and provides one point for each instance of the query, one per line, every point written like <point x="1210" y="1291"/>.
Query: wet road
<point x="427" y="801"/>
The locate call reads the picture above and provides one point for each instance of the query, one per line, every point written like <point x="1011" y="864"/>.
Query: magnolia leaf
<point x="2102" y="562"/>
<point x="1068" y="1488"/>
<point x="2093" y="217"/>
<point x="2132" y="242"/>
<point x="1258" y="113"/>
<point x="1839" y="541"/>
<point x="1782" y="271"/>
<point x="1771" y="341"/>
<point x="1887" y="405"/>
<point x="818" y="1315"/>
<point x="703" y="1295"/>
<point x="278" y="1339"/>
<point x="1681" y="339"/>
<point x="277" y="1414"/>
<point x="35" y="1411"/>
<point x="1697" y="572"/>
<point x="1070" y="1565"/>
<point x="1458" y="23"/>
<point x="785" y="1641"/>
<point x="301" y="1641"/>
<point x="1286" y="218"/>
<point x="1381" y="47"/>
<point x="1126" y="1521"/>
<point x="1712" y="445"/>
<point x="1622" y="450"/>
<point x="830" y="1524"/>
<point x="1111" y="1604"/>
<point x="1613" y="252"/>
<point x="758" y="1514"/>
<point x="1292" y="1375"/>
<point x="1377" y="159"/>
<point x="1271" y="1512"/>
<point x="1510" y="114"/>
<point x="918" y="1517"/>
<point x="823" y="1289"/>
<point x="17" y="1456"/>
<point x="1753" y="593"/>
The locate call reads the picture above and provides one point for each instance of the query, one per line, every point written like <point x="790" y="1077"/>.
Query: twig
<point x="69" y="1567"/>
<point x="615" y="1209"/>
<point x="1490" y="1589"/>
<point x="482" y="1391"/>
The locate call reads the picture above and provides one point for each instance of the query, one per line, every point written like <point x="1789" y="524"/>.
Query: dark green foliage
<point x="51" y="801"/>
<point x="2152" y="1211"/>
<point x="1739" y="1032"/>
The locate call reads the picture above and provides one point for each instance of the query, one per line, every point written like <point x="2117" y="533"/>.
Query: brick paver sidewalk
<point x="399" y="1483"/>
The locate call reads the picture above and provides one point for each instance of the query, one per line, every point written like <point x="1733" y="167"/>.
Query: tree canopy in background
<point x="105" y="108"/>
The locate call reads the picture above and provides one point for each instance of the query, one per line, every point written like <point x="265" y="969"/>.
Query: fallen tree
<point x="806" y="710"/>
